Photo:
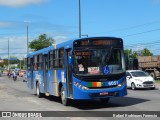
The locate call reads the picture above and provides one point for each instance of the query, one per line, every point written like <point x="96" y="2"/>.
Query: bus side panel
<point x="38" y="77"/>
<point x="49" y="78"/>
<point x="29" y="85"/>
<point x="61" y="78"/>
<point x="54" y="78"/>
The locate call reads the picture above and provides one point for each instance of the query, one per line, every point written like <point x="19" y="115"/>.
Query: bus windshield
<point x="99" y="62"/>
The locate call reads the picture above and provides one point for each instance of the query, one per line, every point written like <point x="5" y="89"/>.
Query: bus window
<point x="61" y="58"/>
<point x="35" y="62"/>
<point x="39" y="62"/>
<point x="51" y="60"/>
<point x="55" y="59"/>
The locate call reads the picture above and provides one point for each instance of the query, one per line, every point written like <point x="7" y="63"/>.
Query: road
<point x="15" y="96"/>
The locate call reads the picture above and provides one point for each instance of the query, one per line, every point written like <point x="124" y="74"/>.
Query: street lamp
<point x="27" y="36"/>
<point x="85" y="35"/>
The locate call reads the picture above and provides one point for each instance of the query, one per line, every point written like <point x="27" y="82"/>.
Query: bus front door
<point x="69" y="75"/>
<point x="45" y="68"/>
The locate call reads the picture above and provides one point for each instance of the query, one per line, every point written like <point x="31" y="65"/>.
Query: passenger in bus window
<point x="80" y="65"/>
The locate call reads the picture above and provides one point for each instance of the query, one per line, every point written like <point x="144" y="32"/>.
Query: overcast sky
<point x="136" y="21"/>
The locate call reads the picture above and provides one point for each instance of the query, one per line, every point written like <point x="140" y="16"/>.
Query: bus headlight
<point x="84" y="88"/>
<point x="121" y="84"/>
<point x="80" y="86"/>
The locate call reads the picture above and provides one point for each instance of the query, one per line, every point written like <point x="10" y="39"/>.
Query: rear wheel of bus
<point x="39" y="94"/>
<point x="64" y="100"/>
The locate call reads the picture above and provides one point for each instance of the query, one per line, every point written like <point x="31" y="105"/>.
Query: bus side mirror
<point x="70" y="60"/>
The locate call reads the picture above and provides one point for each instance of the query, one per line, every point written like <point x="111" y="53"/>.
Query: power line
<point x="141" y="33"/>
<point x="147" y="43"/>
<point x="137" y="26"/>
<point x="131" y="27"/>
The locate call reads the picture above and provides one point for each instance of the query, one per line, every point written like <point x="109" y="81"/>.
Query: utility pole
<point x="79" y="19"/>
<point x="27" y="40"/>
<point x="27" y="37"/>
<point x="8" y="56"/>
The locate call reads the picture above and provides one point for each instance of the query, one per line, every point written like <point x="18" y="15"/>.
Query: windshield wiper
<point x="106" y="57"/>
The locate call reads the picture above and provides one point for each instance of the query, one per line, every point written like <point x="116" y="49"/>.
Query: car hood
<point x="147" y="78"/>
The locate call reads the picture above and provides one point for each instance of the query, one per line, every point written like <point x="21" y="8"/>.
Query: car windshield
<point x="138" y="74"/>
<point x="99" y="62"/>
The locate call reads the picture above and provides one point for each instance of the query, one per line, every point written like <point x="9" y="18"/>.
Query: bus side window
<point x="35" y="62"/>
<point x="61" y="58"/>
<point x="55" y="59"/>
<point x="51" y="60"/>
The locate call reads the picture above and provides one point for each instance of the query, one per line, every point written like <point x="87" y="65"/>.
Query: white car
<point x="139" y="79"/>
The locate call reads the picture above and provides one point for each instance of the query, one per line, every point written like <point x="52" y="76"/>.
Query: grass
<point x="157" y="81"/>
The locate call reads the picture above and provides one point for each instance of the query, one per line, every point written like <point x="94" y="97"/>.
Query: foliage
<point x="134" y="54"/>
<point x="4" y="63"/>
<point x="42" y="42"/>
<point x="146" y="52"/>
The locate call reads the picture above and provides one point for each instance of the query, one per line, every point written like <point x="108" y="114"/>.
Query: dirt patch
<point x="2" y="87"/>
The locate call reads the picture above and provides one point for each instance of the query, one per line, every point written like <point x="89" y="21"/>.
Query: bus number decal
<point x="111" y="83"/>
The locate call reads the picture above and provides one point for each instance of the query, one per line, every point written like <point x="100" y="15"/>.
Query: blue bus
<point x="80" y="69"/>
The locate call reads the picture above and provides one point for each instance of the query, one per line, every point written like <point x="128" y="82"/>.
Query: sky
<point x="137" y="22"/>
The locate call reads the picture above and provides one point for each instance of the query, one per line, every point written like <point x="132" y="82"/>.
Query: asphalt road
<point x="15" y="96"/>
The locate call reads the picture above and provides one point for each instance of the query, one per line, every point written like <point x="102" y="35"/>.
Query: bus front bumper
<point x="99" y="93"/>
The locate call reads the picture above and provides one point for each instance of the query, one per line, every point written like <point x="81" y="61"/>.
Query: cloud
<point x="17" y="46"/>
<point x="5" y="24"/>
<point x="19" y="3"/>
<point x="60" y="38"/>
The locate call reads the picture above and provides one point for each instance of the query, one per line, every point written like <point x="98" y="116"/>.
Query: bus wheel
<point x="39" y="94"/>
<point x="63" y="98"/>
<point x="104" y="100"/>
<point x="133" y="86"/>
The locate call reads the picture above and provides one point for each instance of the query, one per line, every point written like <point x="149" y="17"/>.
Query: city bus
<point x="80" y="69"/>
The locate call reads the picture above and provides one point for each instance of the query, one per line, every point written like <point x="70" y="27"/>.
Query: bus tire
<point x="38" y="93"/>
<point x="133" y="86"/>
<point x="64" y="100"/>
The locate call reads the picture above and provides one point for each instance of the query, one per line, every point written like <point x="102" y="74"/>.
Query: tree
<point x="146" y="52"/>
<point x="130" y="54"/>
<point x="42" y="42"/>
<point x="134" y="54"/>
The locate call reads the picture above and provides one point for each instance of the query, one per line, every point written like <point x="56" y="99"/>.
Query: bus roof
<point x="66" y="44"/>
<point x="42" y="51"/>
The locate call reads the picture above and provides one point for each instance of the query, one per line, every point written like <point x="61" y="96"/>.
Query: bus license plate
<point x="103" y="93"/>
